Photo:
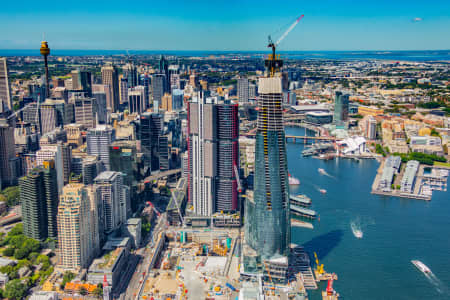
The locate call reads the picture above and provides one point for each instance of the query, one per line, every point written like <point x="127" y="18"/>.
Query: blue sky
<point x="226" y="25"/>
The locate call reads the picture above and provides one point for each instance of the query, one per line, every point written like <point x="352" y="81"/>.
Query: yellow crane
<point x="319" y="267"/>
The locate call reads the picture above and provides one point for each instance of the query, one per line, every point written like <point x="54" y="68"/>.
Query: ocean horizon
<point x="397" y="55"/>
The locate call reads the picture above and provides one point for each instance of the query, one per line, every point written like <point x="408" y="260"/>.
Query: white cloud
<point x="415" y="20"/>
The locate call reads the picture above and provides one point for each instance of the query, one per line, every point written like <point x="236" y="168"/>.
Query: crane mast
<point x="273" y="62"/>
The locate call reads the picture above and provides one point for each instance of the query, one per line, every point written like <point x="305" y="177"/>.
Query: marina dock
<point x="300" y="200"/>
<point x="303" y="212"/>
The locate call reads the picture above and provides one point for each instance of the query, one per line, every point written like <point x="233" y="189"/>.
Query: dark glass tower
<point x="267" y="220"/>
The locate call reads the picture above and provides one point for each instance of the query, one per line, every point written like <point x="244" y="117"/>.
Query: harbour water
<point x="395" y="231"/>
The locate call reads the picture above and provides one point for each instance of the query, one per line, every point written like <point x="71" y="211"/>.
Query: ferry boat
<point x="421" y="266"/>
<point x="323" y="191"/>
<point x="300" y="200"/>
<point x="322" y="171"/>
<point x="302" y="212"/>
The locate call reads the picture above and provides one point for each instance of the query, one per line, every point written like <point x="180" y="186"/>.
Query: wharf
<point x="298" y="223"/>
<point x="303" y="212"/>
<point x="397" y="193"/>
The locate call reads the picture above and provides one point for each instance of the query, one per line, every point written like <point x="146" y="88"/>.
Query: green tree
<point x="21" y="253"/>
<point x="67" y="277"/>
<point x="98" y="292"/>
<point x="12" y="195"/>
<point x="83" y="291"/>
<point x="8" y="251"/>
<point x="16" y="230"/>
<point x="15" y="289"/>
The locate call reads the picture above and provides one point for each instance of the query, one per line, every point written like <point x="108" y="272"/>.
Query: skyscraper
<point x="76" y="229"/>
<point x="85" y="111"/>
<point x="213" y="152"/>
<point x="157" y="89"/>
<point x="81" y="81"/>
<point x="7" y="154"/>
<point x="151" y="126"/>
<point x="110" y="77"/>
<point x="164" y="69"/>
<point x="113" y="199"/>
<point x="267" y="219"/>
<point x="5" y="90"/>
<point x="39" y="201"/>
<point x="123" y="84"/>
<point x="98" y="140"/>
<point x="227" y="157"/>
<point x="243" y="90"/>
<point x="341" y="104"/>
<point x="136" y="100"/>
<point x="130" y="73"/>
<point x="104" y="88"/>
<point x="102" y="112"/>
<point x="55" y="153"/>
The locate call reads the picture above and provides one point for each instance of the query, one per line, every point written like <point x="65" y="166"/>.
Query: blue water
<point x="395" y="232"/>
<point x="425" y="55"/>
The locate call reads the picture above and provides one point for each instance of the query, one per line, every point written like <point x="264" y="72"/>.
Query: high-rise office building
<point x="243" y="90"/>
<point x="166" y="102"/>
<point x="75" y="228"/>
<point x="98" y="140"/>
<point x="158" y="81"/>
<point x="267" y="219"/>
<point x="177" y="99"/>
<point x="5" y="89"/>
<point x="163" y="152"/>
<point x="113" y="197"/>
<point x="54" y="113"/>
<point x="85" y="111"/>
<point x="7" y="154"/>
<point x="136" y="100"/>
<point x="151" y="126"/>
<point x="86" y="166"/>
<point x="130" y="73"/>
<point x="39" y="201"/>
<point x="82" y="81"/>
<point x="104" y="88"/>
<point x="110" y="76"/>
<point x="55" y="153"/>
<point x="213" y="152"/>
<point x="123" y="85"/>
<point x="164" y="69"/>
<point x="123" y="158"/>
<point x="102" y="112"/>
<point x="341" y="104"/>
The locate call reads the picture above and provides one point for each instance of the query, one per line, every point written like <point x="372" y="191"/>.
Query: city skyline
<point x="202" y="25"/>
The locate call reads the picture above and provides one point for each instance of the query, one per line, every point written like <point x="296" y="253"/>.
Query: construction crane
<point x="236" y="173"/>
<point x="274" y="63"/>
<point x="178" y="208"/>
<point x="319" y="267"/>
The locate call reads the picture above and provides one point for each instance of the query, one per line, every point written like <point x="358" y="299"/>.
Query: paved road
<point x="134" y="286"/>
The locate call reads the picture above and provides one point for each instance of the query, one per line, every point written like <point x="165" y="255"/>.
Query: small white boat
<point x="356" y="231"/>
<point x="323" y="191"/>
<point x="322" y="171"/>
<point x="293" y="181"/>
<point x="421" y="266"/>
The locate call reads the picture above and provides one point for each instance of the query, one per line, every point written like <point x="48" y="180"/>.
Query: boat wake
<point x="325" y="173"/>
<point x="438" y="285"/>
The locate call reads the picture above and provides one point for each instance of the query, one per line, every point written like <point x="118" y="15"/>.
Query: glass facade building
<point x="341" y="104"/>
<point x="267" y="219"/>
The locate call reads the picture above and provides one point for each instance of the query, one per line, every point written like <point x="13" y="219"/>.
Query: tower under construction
<point x="267" y="217"/>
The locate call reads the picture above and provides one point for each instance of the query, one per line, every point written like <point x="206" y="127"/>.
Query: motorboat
<point x="322" y="171"/>
<point x="421" y="266"/>
<point x="356" y="231"/>
<point x="293" y="180"/>
<point x="323" y="191"/>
